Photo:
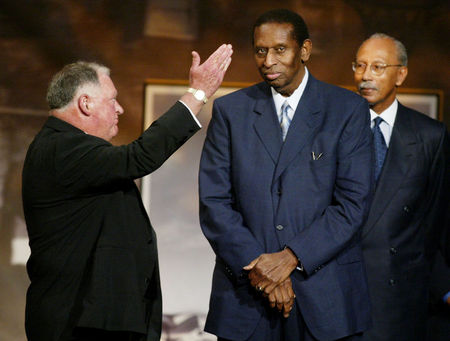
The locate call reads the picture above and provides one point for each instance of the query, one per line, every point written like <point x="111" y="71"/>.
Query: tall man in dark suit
<point x="94" y="264"/>
<point x="405" y="221"/>
<point x="285" y="180"/>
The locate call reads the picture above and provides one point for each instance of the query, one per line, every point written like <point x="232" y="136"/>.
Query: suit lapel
<point x="266" y="124"/>
<point x="400" y="155"/>
<point x="306" y="119"/>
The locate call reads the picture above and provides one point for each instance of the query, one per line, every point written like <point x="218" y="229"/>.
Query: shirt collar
<point x="293" y="99"/>
<point x="387" y="115"/>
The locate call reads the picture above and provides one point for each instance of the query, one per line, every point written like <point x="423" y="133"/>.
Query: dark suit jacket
<point x="258" y="195"/>
<point x="93" y="251"/>
<point x="439" y="311"/>
<point x="401" y="234"/>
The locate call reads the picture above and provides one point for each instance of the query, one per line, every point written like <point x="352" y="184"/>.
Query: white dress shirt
<point x="387" y="124"/>
<point x="293" y="99"/>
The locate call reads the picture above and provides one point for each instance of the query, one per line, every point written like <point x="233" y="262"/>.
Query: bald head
<point x="380" y="67"/>
<point x="400" y="50"/>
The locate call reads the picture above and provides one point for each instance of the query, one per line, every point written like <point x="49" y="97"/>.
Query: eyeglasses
<point x="376" y="69"/>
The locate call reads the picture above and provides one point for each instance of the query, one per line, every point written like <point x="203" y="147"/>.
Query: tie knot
<point x="285" y="107"/>
<point x="378" y="121"/>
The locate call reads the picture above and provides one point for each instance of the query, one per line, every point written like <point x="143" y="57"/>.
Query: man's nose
<point x="367" y="74"/>
<point x="270" y="59"/>
<point x="119" y="108"/>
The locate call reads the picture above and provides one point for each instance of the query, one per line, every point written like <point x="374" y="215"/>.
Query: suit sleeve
<point x="338" y="228"/>
<point x="221" y="223"/>
<point x="85" y="161"/>
<point x="440" y="279"/>
<point x="438" y="191"/>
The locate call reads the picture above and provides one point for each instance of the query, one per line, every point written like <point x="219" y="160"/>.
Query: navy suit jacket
<point x="258" y="195"/>
<point x="404" y="226"/>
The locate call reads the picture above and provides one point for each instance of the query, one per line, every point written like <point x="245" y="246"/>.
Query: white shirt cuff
<point x="193" y="116"/>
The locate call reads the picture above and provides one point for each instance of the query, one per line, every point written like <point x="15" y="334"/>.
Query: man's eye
<point x="261" y="51"/>
<point x="281" y="49"/>
<point x="377" y="67"/>
<point x="360" y="65"/>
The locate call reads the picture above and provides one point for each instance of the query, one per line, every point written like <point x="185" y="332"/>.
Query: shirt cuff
<point x="193" y="116"/>
<point x="299" y="266"/>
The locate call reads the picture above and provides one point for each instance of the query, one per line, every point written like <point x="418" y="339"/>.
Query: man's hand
<point x="270" y="269"/>
<point x="283" y="297"/>
<point x="207" y="76"/>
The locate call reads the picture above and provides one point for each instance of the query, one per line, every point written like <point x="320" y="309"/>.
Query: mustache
<point x="367" y="85"/>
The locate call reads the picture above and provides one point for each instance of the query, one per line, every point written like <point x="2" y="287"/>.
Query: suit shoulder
<point x="340" y="93"/>
<point x="244" y="94"/>
<point x="423" y="122"/>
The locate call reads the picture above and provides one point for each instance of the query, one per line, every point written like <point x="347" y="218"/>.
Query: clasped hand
<point x="269" y="273"/>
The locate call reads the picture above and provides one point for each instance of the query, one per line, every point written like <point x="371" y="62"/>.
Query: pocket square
<point x="316" y="156"/>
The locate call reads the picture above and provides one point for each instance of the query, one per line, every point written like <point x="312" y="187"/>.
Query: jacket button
<point x="393" y="250"/>
<point x="392" y="282"/>
<point x="279" y="227"/>
<point x="406" y="209"/>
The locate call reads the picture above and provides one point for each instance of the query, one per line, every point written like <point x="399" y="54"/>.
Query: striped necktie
<point x="285" y="120"/>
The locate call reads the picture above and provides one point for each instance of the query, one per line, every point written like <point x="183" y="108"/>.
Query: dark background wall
<point x="141" y="39"/>
<point x="38" y="37"/>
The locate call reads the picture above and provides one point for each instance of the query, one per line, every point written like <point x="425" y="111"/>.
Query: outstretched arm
<point x="207" y="76"/>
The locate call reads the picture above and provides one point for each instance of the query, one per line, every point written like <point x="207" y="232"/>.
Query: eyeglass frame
<point x="382" y="65"/>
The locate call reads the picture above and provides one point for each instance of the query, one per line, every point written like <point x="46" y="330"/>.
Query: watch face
<point x="200" y="95"/>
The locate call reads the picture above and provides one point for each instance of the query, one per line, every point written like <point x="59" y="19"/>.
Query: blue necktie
<point x="380" y="147"/>
<point x="285" y="120"/>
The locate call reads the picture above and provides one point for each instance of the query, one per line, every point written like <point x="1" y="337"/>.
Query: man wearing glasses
<point x="404" y="226"/>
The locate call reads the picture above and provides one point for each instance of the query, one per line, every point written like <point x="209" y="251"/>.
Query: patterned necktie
<point x="285" y="120"/>
<point x="380" y="147"/>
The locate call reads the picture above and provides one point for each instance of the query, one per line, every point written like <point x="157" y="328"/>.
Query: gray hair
<point x="401" y="49"/>
<point x="65" y="84"/>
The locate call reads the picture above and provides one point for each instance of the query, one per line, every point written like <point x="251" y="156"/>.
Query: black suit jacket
<point x="439" y="311"/>
<point x="404" y="226"/>
<point x="93" y="256"/>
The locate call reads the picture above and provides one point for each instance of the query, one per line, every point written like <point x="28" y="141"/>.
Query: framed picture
<point x="427" y="101"/>
<point x="170" y="195"/>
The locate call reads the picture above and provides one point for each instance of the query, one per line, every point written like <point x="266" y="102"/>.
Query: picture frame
<point x="170" y="196"/>
<point x="427" y="101"/>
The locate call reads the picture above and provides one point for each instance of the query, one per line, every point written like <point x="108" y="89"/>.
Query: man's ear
<point x="402" y="72"/>
<point x="84" y="104"/>
<point x="306" y="49"/>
